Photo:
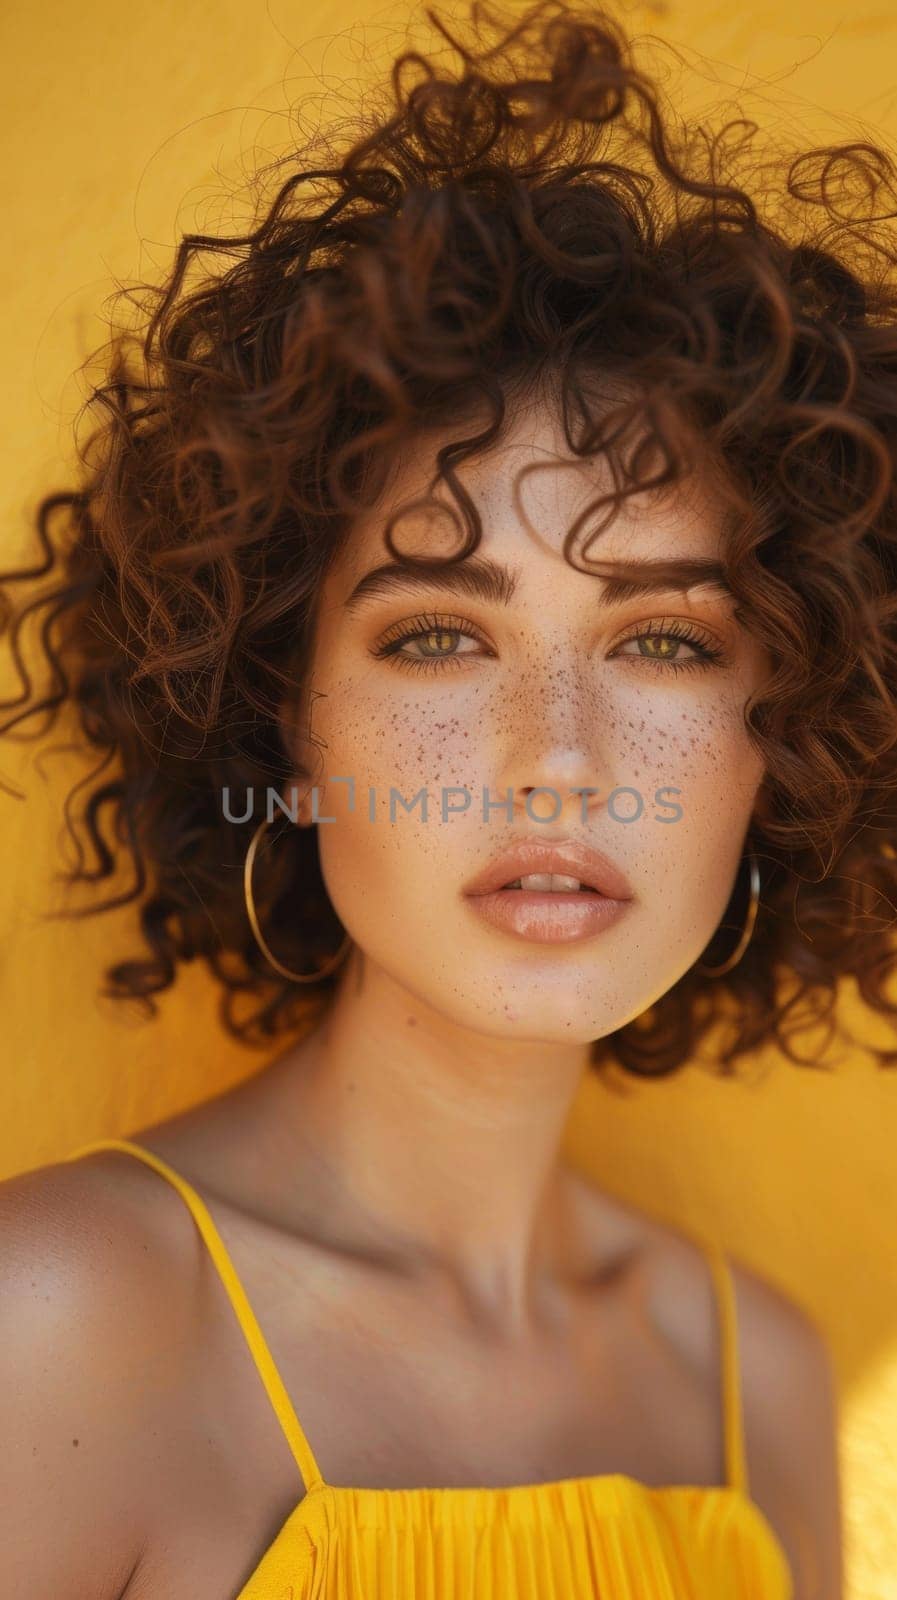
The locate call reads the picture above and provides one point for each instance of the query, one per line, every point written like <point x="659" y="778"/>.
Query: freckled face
<point x="429" y="690"/>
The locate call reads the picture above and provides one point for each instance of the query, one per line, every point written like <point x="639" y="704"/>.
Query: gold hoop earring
<point x="745" y="939"/>
<point x="297" y="977"/>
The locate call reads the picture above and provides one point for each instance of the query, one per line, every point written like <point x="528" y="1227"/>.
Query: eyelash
<point x="390" y="645"/>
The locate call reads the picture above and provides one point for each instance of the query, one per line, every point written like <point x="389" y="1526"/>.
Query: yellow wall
<point x="124" y="126"/>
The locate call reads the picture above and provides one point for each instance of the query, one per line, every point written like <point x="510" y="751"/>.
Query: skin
<point x="447" y="1302"/>
<point x="446" y="1034"/>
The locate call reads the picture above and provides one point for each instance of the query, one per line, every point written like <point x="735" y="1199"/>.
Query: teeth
<point x="553" y="881"/>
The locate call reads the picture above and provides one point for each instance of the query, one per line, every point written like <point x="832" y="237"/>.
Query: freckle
<point x="412" y="1022"/>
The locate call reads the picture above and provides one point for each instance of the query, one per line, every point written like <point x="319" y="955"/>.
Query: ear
<point x="296" y="791"/>
<point x="292" y="799"/>
<point x="763" y="806"/>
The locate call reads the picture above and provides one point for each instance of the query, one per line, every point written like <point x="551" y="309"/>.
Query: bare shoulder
<point x="791" y="1422"/>
<point x="88" y="1341"/>
<point x="788" y="1384"/>
<point x="789" y="1404"/>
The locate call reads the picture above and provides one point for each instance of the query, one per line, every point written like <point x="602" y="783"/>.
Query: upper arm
<point x="68" y="1401"/>
<point x="791" y="1423"/>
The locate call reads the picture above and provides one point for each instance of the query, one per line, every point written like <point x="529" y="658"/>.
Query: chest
<point x="395" y="1388"/>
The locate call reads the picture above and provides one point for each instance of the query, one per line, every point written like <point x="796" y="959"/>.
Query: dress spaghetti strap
<point x="733" y="1421"/>
<point x="261" y="1355"/>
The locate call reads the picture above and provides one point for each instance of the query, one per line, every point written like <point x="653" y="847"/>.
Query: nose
<point x="556" y="739"/>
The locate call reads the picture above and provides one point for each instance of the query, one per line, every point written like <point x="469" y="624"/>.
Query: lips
<point x="568" y="858"/>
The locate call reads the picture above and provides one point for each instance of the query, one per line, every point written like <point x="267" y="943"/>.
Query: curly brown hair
<point x="538" y="216"/>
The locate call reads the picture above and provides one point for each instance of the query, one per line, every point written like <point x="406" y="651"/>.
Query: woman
<point x="488" y="591"/>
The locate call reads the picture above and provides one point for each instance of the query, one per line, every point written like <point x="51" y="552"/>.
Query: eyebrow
<point x="496" y="584"/>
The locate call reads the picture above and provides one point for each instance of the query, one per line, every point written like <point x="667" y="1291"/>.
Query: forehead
<point x="529" y="489"/>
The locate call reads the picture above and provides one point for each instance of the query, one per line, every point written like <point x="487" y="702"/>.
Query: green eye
<point x="668" y="639"/>
<point x="438" y="638"/>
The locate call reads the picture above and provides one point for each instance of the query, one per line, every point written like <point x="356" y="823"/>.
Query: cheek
<point x="709" y="753"/>
<point x="718" y="772"/>
<point x="698" y="747"/>
<point x="694" y="743"/>
<point x="376" y="853"/>
<point x="385" y="739"/>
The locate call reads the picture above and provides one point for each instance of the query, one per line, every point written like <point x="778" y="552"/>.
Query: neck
<point x="440" y="1144"/>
